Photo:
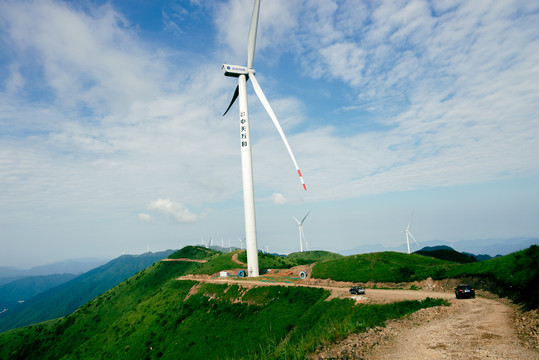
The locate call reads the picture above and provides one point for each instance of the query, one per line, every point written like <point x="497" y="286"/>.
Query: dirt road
<point x="470" y="328"/>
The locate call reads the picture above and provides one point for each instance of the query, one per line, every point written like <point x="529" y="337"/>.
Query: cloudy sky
<point x="112" y="137"/>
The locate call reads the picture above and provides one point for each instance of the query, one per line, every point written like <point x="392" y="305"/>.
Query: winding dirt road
<point x="468" y="329"/>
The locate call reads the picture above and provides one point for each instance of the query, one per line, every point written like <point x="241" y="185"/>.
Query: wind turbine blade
<point x="251" y="43"/>
<point x="296" y="220"/>
<point x="265" y="103"/>
<point x="234" y="97"/>
<point x="305" y="217"/>
<point x="414" y="239"/>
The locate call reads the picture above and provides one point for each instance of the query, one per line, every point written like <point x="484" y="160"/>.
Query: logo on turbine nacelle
<point x="234" y="70"/>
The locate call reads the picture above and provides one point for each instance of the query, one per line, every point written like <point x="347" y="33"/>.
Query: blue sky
<point x="112" y="139"/>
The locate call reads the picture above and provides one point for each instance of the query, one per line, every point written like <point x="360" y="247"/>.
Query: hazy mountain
<point x="74" y="266"/>
<point x="491" y="247"/>
<point x="20" y="290"/>
<point x="481" y="257"/>
<point x="67" y="297"/>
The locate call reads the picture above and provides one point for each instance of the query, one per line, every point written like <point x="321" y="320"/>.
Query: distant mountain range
<point x="67" y="297"/>
<point x="17" y="291"/>
<point x="78" y="266"/>
<point x="478" y="247"/>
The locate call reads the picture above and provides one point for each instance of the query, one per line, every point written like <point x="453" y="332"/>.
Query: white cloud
<point x="145" y="217"/>
<point x="174" y="210"/>
<point x="279" y="198"/>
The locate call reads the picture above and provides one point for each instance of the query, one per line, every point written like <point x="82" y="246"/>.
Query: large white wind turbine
<point x="301" y="233"/>
<point x="243" y="74"/>
<point x="409" y="234"/>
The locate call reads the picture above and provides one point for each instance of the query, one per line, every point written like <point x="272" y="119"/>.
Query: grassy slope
<point x="309" y="257"/>
<point x="380" y="267"/>
<point x="515" y="275"/>
<point x="67" y="297"/>
<point x="147" y="316"/>
<point x="448" y="254"/>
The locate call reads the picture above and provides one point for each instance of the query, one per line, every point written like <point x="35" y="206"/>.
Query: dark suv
<point x="464" y="291"/>
<point x="358" y="290"/>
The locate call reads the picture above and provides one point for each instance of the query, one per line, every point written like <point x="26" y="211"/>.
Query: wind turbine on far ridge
<point x="301" y="233"/>
<point x="241" y="242"/>
<point x="244" y="73"/>
<point x="409" y="234"/>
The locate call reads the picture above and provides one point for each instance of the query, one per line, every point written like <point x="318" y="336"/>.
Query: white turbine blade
<point x="264" y="101"/>
<point x="251" y="43"/>
<point x="414" y="239"/>
<point x="293" y="217"/>
<point x="305" y="217"/>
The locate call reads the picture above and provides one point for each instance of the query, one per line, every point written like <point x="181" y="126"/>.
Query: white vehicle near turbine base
<point x="243" y="74"/>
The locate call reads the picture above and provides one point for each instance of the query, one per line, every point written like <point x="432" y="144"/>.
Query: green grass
<point x="269" y="261"/>
<point x="309" y="257"/>
<point x="218" y="262"/>
<point x="380" y="267"/>
<point x="515" y="275"/>
<point x="193" y="252"/>
<point x="149" y="317"/>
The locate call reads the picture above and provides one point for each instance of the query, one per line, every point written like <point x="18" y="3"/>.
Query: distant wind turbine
<point x="243" y="74"/>
<point x="241" y="242"/>
<point x="409" y="234"/>
<point x="301" y="233"/>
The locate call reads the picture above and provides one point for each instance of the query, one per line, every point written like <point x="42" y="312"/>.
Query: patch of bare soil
<point x="472" y="328"/>
<point x="235" y="259"/>
<point x="186" y="259"/>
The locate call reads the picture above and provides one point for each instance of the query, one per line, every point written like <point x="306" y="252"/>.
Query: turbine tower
<point x="301" y="233"/>
<point x="409" y="234"/>
<point x="243" y="74"/>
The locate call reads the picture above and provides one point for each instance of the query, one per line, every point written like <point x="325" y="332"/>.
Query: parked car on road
<point x="464" y="291"/>
<point x="357" y="290"/>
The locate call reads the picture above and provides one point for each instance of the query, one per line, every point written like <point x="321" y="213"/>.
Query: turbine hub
<point x="236" y="70"/>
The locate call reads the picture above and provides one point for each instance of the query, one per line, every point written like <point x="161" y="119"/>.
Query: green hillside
<point x="379" y="267"/>
<point x="515" y="275"/>
<point x="25" y="288"/>
<point x="151" y="315"/>
<point x="67" y="297"/>
<point x="447" y="254"/>
<point x="309" y="257"/>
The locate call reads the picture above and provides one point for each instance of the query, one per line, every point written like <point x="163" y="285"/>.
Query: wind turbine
<point x="241" y="242"/>
<point x="243" y="74"/>
<point x="408" y="233"/>
<point x="301" y="233"/>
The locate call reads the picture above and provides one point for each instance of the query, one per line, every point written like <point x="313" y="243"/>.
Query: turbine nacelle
<point x="236" y="70"/>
